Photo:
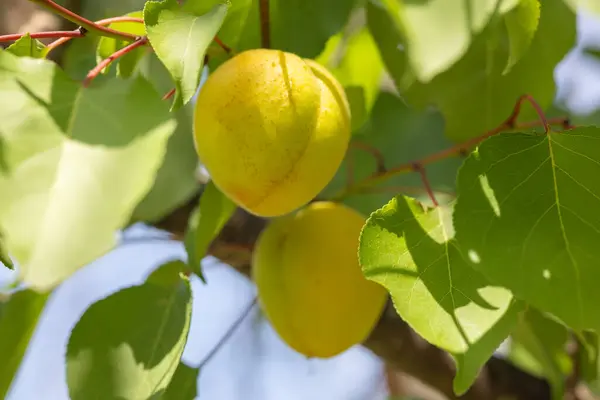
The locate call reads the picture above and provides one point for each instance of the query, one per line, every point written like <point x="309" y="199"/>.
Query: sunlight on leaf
<point x="412" y="253"/>
<point x="543" y="245"/>
<point x="128" y="345"/>
<point x="180" y="36"/>
<point x="79" y="162"/>
<point x="521" y="25"/>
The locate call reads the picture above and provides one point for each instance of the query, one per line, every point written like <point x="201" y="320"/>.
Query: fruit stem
<point x="83" y="22"/>
<point x="265" y="24"/>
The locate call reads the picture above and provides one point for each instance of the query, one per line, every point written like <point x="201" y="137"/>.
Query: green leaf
<point x="176" y="181"/>
<point x="526" y="215"/>
<point x="303" y="27"/>
<point x="128" y="345"/>
<point x="107" y="46"/>
<point x="521" y="24"/>
<point x="412" y="253"/>
<point x="475" y="96"/>
<point x="538" y="346"/>
<point x="28" y="47"/>
<point x="439" y="32"/>
<point x="205" y="223"/>
<point x="80" y="160"/>
<point x="400" y="134"/>
<point x="19" y="314"/>
<point x="180" y="36"/>
<point x="184" y="384"/>
<point x="361" y="80"/>
<point x="587" y="5"/>
<point x="384" y="25"/>
<point x="4" y="256"/>
<point x="79" y="57"/>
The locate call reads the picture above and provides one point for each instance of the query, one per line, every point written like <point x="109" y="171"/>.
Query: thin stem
<point x="511" y="121"/>
<point x="228" y="334"/>
<point x="83" y="22"/>
<point x="421" y="170"/>
<point x="102" y="22"/>
<point x="119" y="53"/>
<point x="374" y="151"/>
<point x="453" y="151"/>
<point x="225" y="48"/>
<point x="265" y="24"/>
<point x="42" y="35"/>
<point x="169" y="94"/>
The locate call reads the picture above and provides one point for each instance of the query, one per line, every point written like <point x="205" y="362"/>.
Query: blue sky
<point x="254" y="363"/>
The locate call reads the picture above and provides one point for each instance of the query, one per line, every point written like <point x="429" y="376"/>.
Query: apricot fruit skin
<point x="309" y="282"/>
<point x="271" y="129"/>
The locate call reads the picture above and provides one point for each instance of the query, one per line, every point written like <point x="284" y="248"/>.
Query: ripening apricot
<point x="271" y="129"/>
<point x="310" y="284"/>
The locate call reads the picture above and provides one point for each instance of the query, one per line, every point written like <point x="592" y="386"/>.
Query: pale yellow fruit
<point x="309" y="281"/>
<point x="271" y="129"/>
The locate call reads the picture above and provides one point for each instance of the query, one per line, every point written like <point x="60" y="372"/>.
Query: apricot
<point x="309" y="282"/>
<point x="271" y="129"/>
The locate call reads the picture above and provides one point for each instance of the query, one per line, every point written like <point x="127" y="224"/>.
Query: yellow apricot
<point x="309" y="282"/>
<point x="271" y="129"/>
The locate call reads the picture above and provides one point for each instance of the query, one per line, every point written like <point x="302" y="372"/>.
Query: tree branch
<point x="392" y="339"/>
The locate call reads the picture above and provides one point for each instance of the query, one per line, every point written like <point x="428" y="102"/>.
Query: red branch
<point x="83" y="22"/>
<point x="225" y="48"/>
<point x="43" y="35"/>
<point x="102" y="22"/>
<point x="265" y="24"/>
<point x="119" y="53"/>
<point x="169" y="94"/>
<point x="460" y="149"/>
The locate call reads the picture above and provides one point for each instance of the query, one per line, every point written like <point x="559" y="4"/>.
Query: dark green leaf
<point x="401" y="134"/>
<point x="79" y="159"/>
<point x="412" y="253"/>
<point x="184" y="384"/>
<point x="19" y="314"/>
<point x="128" y="345"/>
<point x="527" y="216"/>
<point x="206" y="222"/>
<point x="303" y="27"/>
<point x="180" y="36"/>
<point x="107" y="46"/>
<point x="79" y="57"/>
<point x="521" y="25"/>
<point x="538" y="346"/>
<point x="475" y="96"/>
<point x="28" y="47"/>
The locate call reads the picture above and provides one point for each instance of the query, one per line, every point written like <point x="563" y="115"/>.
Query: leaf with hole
<point x="527" y="215"/>
<point x="412" y="252"/>
<point x="180" y="36"/>
<point x="128" y="345"/>
<point x="103" y="144"/>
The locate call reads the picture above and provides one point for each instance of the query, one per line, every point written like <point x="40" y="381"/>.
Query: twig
<point x="169" y="94"/>
<point x="225" y="48"/>
<point x="228" y="334"/>
<point x="453" y="151"/>
<point x="102" y="22"/>
<point x="265" y="24"/>
<point x="374" y="151"/>
<point x="512" y="120"/>
<point x="421" y="170"/>
<point x="43" y="35"/>
<point x="83" y="22"/>
<point x="119" y="53"/>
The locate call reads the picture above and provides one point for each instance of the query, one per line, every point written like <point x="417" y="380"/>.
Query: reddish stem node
<point x="43" y="35"/>
<point x="106" y="62"/>
<point x="512" y="120"/>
